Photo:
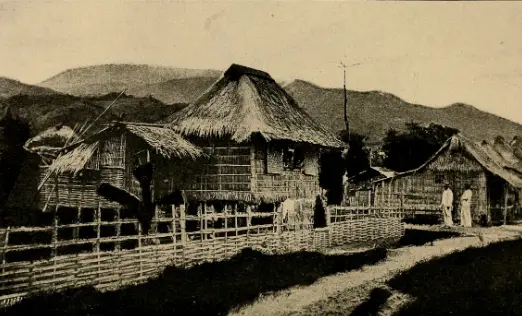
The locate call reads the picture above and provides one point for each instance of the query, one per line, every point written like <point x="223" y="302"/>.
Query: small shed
<point x="494" y="181"/>
<point x="110" y="156"/>
<point x="360" y="185"/>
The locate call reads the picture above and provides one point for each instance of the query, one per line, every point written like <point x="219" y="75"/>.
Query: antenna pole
<point x="345" y="102"/>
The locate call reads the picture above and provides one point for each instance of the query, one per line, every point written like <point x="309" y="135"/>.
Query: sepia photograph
<point x="257" y="158"/>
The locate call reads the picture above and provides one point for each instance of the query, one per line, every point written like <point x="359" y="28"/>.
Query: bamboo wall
<point x="78" y="191"/>
<point x="225" y="176"/>
<point x="60" y="262"/>
<point x="422" y="190"/>
<point x="270" y="181"/>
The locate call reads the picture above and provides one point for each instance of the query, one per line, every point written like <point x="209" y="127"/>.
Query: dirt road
<point x="342" y="293"/>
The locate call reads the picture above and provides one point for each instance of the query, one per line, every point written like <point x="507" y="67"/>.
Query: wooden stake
<point x="505" y="203"/>
<point x="118" y="228"/>
<point x="182" y="224"/>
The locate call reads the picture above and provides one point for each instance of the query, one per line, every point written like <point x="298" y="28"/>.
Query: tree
<point x="410" y="149"/>
<point x="357" y="158"/>
<point x="331" y="175"/>
<point x="14" y="132"/>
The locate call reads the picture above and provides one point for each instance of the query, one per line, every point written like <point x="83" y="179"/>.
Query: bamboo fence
<point x="93" y="263"/>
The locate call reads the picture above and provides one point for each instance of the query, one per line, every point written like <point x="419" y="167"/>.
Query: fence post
<point x="118" y="228"/>
<point x="54" y="242"/>
<point x="5" y="245"/>
<point x="328" y="216"/>
<point x="182" y="224"/>
<point x="98" y="236"/>
<point x="279" y="223"/>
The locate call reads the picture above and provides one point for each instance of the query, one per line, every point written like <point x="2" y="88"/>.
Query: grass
<point x="485" y="281"/>
<point x="207" y="289"/>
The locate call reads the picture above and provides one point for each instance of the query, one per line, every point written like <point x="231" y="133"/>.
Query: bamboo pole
<point x="98" y="236"/>
<point x="76" y="230"/>
<point x="505" y="203"/>
<point x="118" y="228"/>
<point x="6" y="244"/>
<point x="140" y="250"/>
<point x="182" y="224"/>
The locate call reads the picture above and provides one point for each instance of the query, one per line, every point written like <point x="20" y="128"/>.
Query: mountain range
<point x="155" y="92"/>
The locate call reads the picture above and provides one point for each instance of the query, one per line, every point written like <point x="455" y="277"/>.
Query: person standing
<point x="465" y="207"/>
<point x="447" y="205"/>
<point x="346" y="198"/>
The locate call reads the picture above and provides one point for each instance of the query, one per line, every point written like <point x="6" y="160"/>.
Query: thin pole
<point x="345" y="102"/>
<point x="102" y="113"/>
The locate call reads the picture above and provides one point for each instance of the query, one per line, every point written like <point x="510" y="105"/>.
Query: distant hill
<point x="103" y="79"/>
<point x="10" y="87"/>
<point x="373" y="113"/>
<point x="44" y="111"/>
<point x="175" y="90"/>
<point x="151" y="89"/>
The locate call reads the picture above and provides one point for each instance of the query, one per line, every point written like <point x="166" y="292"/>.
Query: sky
<point x="431" y="53"/>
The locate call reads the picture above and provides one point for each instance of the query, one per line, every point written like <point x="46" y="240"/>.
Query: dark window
<point x="439" y="178"/>
<point x="293" y="158"/>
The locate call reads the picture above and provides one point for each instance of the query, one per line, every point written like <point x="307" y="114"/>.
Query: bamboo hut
<point x="264" y="147"/>
<point x="360" y="185"/>
<point x="109" y="156"/>
<point x="460" y="161"/>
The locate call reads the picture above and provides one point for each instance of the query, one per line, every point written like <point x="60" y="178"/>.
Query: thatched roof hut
<point x="163" y="141"/>
<point x="458" y="162"/>
<point x="246" y="101"/>
<point x="464" y="145"/>
<point x="264" y="146"/>
<point x="110" y="156"/>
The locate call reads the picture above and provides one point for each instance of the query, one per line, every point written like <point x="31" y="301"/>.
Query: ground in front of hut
<point x="443" y="276"/>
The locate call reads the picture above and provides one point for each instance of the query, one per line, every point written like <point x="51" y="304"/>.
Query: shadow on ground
<point x="419" y="237"/>
<point x="207" y="289"/>
<point x="476" y="281"/>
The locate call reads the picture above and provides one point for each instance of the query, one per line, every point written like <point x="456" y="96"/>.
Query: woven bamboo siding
<point x="112" y="152"/>
<point x="79" y="190"/>
<point x="274" y="161"/>
<point x="225" y="177"/>
<point x="287" y="184"/>
<point x="142" y="257"/>
<point x="423" y="190"/>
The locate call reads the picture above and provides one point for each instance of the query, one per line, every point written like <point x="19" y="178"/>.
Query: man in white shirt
<point x="345" y="188"/>
<point x="447" y="205"/>
<point x="465" y="207"/>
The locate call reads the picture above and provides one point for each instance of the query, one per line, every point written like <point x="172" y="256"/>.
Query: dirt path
<point x="343" y="292"/>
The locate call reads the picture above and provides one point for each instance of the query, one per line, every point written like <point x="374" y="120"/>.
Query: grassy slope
<point x="10" y="87"/>
<point x="373" y="113"/>
<point x="183" y="90"/>
<point x="46" y="111"/>
<point x="102" y="79"/>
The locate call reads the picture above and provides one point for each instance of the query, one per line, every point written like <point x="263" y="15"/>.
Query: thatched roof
<point x="246" y="101"/>
<point x="487" y="161"/>
<point x="373" y="173"/>
<point x="48" y="143"/>
<point x="507" y="153"/>
<point x="164" y="141"/>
